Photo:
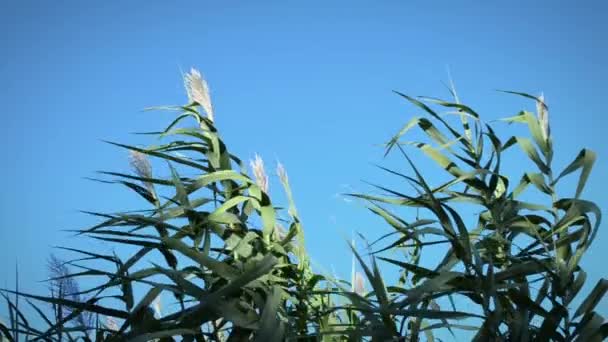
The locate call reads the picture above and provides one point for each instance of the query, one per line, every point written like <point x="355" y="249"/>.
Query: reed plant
<point x="234" y="266"/>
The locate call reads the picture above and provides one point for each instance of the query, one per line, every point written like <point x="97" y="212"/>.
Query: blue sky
<point x="307" y="83"/>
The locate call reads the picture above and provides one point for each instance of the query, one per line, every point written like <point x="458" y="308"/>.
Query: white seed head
<point x="359" y="284"/>
<point x="434" y="306"/>
<point x="157" y="307"/>
<point x="261" y="179"/>
<point x="280" y="231"/>
<point x="282" y="173"/>
<point x="543" y="116"/>
<point x="111" y="324"/>
<point x="198" y="91"/>
<point x="141" y="165"/>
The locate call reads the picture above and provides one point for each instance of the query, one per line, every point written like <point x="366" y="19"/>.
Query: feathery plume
<point x="141" y="165"/>
<point x="434" y="306"/>
<point x="64" y="286"/>
<point x="543" y="116"/>
<point x="282" y="173"/>
<point x="359" y="286"/>
<point x="198" y="91"/>
<point x="157" y="307"/>
<point x="110" y="324"/>
<point x="261" y="179"/>
<point x="280" y="231"/>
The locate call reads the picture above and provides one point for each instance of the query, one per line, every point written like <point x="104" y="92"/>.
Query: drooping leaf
<point x="593" y="298"/>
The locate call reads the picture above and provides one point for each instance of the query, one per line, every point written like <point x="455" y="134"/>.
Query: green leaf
<point x="271" y="328"/>
<point x="593" y="298"/>
<point x="241" y="246"/>
<point x="229" y="204"/>
<point x="531" y="152"/>
<point x="417" y="270"/>
<point x="523" y="269"/>
<point x="87" y="306"/>
<point x="162" y="156"/>
<point x="180" y="191"/>
<point x="590" y="328"/>
<point x="435" y="314"/>
<point x="535" y="129"/>
<point x="140" y="190"/>
<point x="268" y="219"/>
<point x="539" y="181"/>
<point x="193" y="316"/>
<point x="179" y="278"/>
<point x="395" y="139"/>
<point x="111" y="258"/>
<point x="217" y="176"/>
<point x="584" y="160"/>
<point x="575" y="208"/>
<point x="5" y="333"/>
<point x="532" y="97"/>
<point x="427" y="288"/>
<point x="459" y="106"/>
<point x="433" y="114"/>
<point x="524" y="302"/>
<point x="222" y="269"/>
<point x="137" y="178"/>
<point x="143" y="304"/>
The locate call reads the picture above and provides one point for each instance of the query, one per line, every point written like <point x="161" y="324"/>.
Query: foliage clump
<point x="236" y="268"/>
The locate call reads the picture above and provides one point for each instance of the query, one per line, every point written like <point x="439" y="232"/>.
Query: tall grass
<point x="236" y="266"/>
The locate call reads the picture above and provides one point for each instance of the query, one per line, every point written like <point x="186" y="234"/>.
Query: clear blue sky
<point x="308" y="83"/>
